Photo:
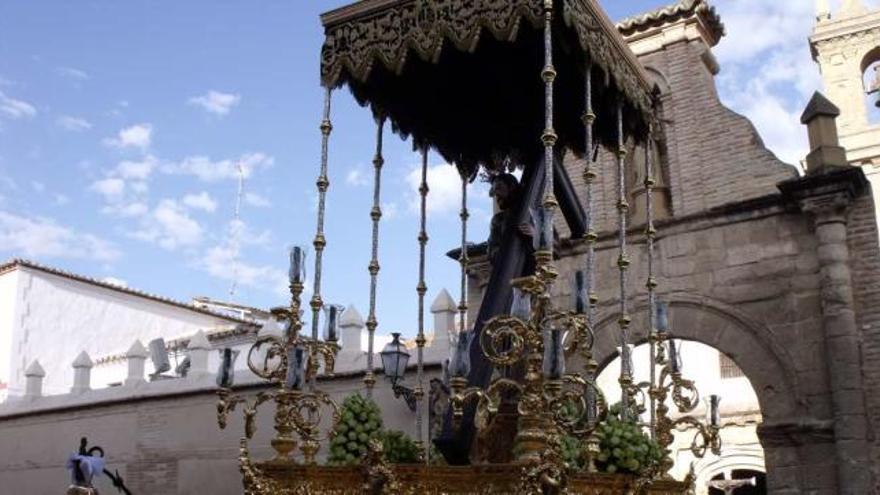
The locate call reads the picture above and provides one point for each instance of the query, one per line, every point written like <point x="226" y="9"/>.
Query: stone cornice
<point x="828" y="30"/>
<point x="832" y="36"/>
<point x="803" y="431"/>
<point x="698" y="11"/>
<point x="828" y="191"/>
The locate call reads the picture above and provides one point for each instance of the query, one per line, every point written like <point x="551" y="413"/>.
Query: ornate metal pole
<point x="375" y="215"/>
<point x="651" y="283"/>
<point x="421" y="289"/>
<point x="626" y="379"/>
<point x="320" y="241"/>
<point x="548" y="74"/>
<point x="590" y="238"/>
<point x="463" y="259"/>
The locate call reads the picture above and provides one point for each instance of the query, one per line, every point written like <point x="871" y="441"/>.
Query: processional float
<point x="489" y="85"/>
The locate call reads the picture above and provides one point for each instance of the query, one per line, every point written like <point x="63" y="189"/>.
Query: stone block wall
<point x="744" y="280"/>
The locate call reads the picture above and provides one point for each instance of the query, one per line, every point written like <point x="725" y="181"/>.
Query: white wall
<point x="60" y="317"/>
<point x="8" y="287"/>
<point x="700" y="364"/>
<point x="740" y="412"/>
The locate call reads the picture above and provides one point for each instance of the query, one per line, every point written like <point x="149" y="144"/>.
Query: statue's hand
<point x="527" y="229"/>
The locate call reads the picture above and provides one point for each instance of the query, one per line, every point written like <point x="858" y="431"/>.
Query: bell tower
<point x="846" y="45"/>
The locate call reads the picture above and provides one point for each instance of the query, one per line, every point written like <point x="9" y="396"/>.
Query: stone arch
<point x="635" y="166"/>
<point x="870" y="56"/>
<point x="658" y="78"/>
<point x="757" y="352"/>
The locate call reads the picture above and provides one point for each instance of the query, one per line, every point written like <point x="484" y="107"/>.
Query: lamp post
<point x="394" y="360"/>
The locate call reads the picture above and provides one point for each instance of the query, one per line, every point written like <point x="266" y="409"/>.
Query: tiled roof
<point x="671" y="13"/>
<point x="15" y="263"/>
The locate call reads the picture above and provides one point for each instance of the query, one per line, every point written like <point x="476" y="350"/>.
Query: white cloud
<point x="444" y="195"/>
<point x="61" y="199"/>
<point x="43" y="237"/>
<point x="135" y="209"/>
<point x="136" y="136"/>
<point x="16" y="109"/>
<point x="136" y="170"/>
<point x="767" y="72"/>
<point x="389" y="211"/>
<point x="74" y="124"/>
<point x="111" y="188"/>
<point x="202" y="201"/>
<point x="8" y="182"/>
<point x="211" y="171"/>
<point x="73" y="73"/>
<point x="140" y="187"/>
<point x="216" y="102"/>
<point x="257" y="200"/>
<point x="125" y="187"/>
<point x="169" y="226"/>
<point x="357" y="177"/>
<point x="38" y="186"/>
<point x="223" y="263"/>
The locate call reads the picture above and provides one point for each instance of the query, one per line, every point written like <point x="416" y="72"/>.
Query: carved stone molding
<point x="831" y="192"/>
<point x="803" y="432"/>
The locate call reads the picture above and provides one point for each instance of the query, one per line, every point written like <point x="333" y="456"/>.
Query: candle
<point x="445" y="368"/>
<point x="332" y="313"/>
<point x="521" y="307"/>
<point x="592" y="405"/>
<point x="546" y="229"/>
<point x="674" y="357"/>
<point x="714" y="412"/>
<point x="295" y="368"/>
<point x="626" y="363"/>
<point x="580" y="292"/>
<point x="554" y="360"/>
<point x="542" y="219"/>
<point x="225" y="376"/>
<point x="661" y="320"/>
<point x="297" y="272"/>
<point x="461" y="361"/>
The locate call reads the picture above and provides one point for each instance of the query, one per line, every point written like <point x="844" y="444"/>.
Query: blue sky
<point x="122" y="126"/>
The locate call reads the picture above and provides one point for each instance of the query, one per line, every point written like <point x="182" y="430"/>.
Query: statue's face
<point x="502" y="193"/>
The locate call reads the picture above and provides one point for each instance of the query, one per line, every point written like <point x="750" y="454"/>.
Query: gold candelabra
<point x="289" y="362"/>
<point x="685" y="398"/>
<point x="549" y="402"/>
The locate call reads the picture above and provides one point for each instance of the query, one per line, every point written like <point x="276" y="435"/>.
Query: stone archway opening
<point x="713" y="373"/>
<point x="870" y="68"/>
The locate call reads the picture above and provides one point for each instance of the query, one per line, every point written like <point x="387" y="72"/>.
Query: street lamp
<point x="394" y="360"/>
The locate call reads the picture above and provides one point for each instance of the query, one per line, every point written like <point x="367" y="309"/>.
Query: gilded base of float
<point x="284" y="478"/>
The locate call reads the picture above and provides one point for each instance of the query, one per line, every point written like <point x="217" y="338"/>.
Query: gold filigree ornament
<point x="286" y="362"/>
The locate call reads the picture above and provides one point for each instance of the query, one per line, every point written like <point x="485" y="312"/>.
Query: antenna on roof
<point x="235" y="232"/>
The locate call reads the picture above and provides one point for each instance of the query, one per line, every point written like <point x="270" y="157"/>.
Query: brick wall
<point x="865" y="266"/>
<point x="714" y="155"/>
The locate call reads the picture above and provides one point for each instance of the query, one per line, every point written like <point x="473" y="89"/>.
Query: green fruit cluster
<point x="625" y="448"/>
<point x="361" y="421"/>
<point x="572" y="450"/>
<point x="399" y="448"/>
